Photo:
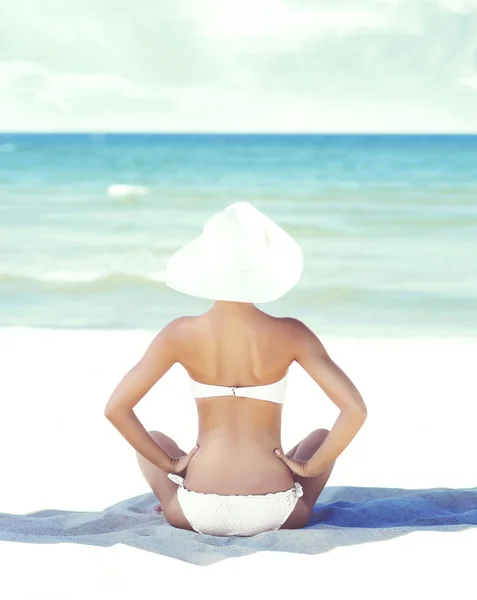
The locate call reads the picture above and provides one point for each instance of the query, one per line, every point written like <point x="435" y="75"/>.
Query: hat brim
<point x="190" y="271"/>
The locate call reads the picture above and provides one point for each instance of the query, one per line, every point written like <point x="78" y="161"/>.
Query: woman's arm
<point x="313" y="357"/>
<point x="159" y="357"/>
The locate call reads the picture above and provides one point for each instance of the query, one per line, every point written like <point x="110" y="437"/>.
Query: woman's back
<point x="237" y="434"/>
<point x="237" y="357"/>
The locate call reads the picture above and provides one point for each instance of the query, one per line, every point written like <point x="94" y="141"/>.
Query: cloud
<point x="285" y="24"/>
<point x="211" y="65"/>
<point x="458" y="6"/>
<point x="470" y="82"/>
<point x="24" y="78"/>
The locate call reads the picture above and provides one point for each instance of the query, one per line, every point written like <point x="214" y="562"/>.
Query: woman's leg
<point x="312" y="486"/>
<point x="163" y="487"/>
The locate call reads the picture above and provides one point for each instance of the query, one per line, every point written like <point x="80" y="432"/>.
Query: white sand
<point x="59" y="452"/>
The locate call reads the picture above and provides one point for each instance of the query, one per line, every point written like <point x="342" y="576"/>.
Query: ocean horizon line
<point x="250" y="133"/>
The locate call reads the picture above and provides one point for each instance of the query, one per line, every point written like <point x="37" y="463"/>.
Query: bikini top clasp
<point x="274" y="392"/>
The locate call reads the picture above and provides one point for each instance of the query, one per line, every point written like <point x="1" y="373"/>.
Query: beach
<point x="61" y="454"/>
<point x="388" y="228"/>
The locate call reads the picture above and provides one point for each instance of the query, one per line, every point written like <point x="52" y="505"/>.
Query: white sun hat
<point x="241" y="256"/>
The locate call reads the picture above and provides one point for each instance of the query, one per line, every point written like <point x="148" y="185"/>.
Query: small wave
<point x="88" y="279"/>
<point x="122" y="190"/>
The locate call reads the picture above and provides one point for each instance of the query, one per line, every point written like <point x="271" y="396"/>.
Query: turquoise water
<point x="387" y="223"/>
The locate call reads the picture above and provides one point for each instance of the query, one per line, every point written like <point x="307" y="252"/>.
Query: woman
<point x="237" y="480"/>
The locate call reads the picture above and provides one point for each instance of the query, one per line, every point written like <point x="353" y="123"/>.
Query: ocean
<point x="387" y="223"/>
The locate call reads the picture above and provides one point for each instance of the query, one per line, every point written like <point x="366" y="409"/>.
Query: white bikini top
<point x="273" y="392"/>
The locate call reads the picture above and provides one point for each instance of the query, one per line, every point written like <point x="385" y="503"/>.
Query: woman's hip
<point x="236" y="514"/>
<point x="260" y="475"/>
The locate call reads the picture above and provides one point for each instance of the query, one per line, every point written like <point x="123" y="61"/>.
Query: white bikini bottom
<point x="243" y="515"/>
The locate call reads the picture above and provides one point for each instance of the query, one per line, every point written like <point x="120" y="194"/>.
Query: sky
<point x="265" y="66"/>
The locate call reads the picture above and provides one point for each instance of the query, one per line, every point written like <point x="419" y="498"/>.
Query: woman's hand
<point x="299" y="467"/>
<point x="178" y="465"/>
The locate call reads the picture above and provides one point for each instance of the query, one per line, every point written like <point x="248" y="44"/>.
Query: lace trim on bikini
<point x="180" y="481"/>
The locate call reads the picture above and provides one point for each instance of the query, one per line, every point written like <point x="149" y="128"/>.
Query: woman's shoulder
<point x="293" y="324"/>
<point x="298" y="334"/>
<point x="180" y="325"/>
<point x="187" y="325"/>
